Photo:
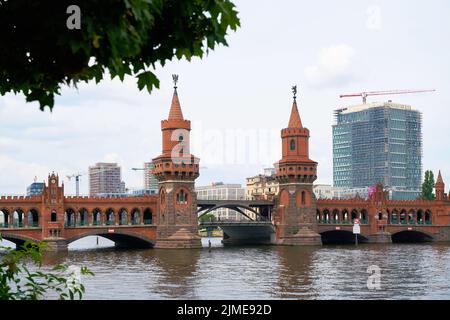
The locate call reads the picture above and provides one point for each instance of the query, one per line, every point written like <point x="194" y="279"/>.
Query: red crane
<point x="364" y="95"/>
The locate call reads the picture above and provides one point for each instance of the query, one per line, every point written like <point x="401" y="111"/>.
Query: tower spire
<point x="175" y="112"/>
<point x="294" y="119"/>
<point x="439" y="178"/>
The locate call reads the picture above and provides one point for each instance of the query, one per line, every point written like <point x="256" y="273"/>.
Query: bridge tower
<point x="53" y="214"/>
<point x="295" y="211"/>
<point x="439" y="187"/>
<point x="176" y="170"/>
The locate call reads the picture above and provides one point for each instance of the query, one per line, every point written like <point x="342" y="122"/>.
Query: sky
<point x="239" y="97"/>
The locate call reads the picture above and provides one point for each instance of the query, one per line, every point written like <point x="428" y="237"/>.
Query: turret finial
<point x="175" y="80"/>
<point x="294" y="91"/>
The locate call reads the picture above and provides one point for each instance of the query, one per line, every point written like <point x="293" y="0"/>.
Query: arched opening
<point x="325" y="216"/>
<point x="18" y="217"/>
<point x="403" y="216"/>
<point x="345" y="216"/>
<point x="96" y="217"/>
<point x="411" y="217"/>
<point x="335" y="216"/>
<point x="380" y="215"/>
<point x="121" y="240"/>
<point x="341" y="237"/>
<point x="419" y="216"/>
<point x="82" y="217"/>
<point x="70" y="217"/>
<point x="394" y="216"/>
<point x="53" y="216"/>
<point x="33" y="218"/>
<point x="4" y="218"/>
<point x="354" y="215"/>
<point x="363" y="216"/>
<point x="148" y="216"/>
<point x="123" y="217"/>
<point x="389" y="216"/>
<point x="109" y="215"/>
<point x="292" y="144"/>
<point x="409" y="236"/>
<point x="428" y="217"/>
<point x="182" y="197"/>
<point x="318" y="216"/>
<point x="135" y="216"/>
<point x="303" y="198"/>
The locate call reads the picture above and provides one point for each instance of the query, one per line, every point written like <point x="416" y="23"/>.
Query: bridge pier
<point x="183" y="238"/>
<point x="56" y="245"/>
<point x="303" y="237"/>
<point x="380" y="237"/>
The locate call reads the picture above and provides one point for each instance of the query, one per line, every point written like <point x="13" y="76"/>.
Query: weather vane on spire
<point x="175" y="80"/>
<point x="294" y="91"/>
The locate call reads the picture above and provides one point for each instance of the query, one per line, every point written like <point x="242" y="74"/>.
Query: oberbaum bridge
<point x="170" y="219"/>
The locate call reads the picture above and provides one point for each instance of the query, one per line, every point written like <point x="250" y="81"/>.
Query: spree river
<point x="407" y="271"/>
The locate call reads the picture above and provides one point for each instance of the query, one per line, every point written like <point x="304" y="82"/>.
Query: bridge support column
<point x="305" y="236"/>
<point x="56" y="245"/>
<point x="182" y="238"/>
<point x="380" y="237"/>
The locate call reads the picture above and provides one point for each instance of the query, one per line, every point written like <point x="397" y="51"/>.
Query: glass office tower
<point x="378" y="142"/>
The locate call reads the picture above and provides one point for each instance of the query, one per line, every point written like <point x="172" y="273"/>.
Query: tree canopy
<point x="39" y="52"/>
<point x="428" y="186"/>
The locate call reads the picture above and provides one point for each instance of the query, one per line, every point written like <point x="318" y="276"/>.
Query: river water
<point x="407" y="271"/>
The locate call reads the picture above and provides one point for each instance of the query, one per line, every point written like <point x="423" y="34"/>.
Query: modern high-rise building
<point x="105" y="179"/>
<point x="35" y="188"/>
<point x="378" y="142"/>
<point x="150" y="181"/>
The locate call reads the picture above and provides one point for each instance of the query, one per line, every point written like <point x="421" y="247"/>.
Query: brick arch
<point x="120" y="237"/>
<point x="18" y="239"/>
<point x="331" y="235"/>
<point x="413" y="235"/>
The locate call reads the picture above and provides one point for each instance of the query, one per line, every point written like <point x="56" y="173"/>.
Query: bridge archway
<point x="109" y="217"/>
<point x="135" y="216"/>
<point x="120" y="238"/>
<point x="69" y="216"/>
<point x="123" y="216"/>
<point x="96" y="217"/>
<point x="82" y="218"/>
<point x="148" y="216"/>
<point x="18" y="240"/>
<point x="4" y="218"/>
<point x="33" y="217"/>
<point x="341" y="237"/>
<point x="410" y="236"/>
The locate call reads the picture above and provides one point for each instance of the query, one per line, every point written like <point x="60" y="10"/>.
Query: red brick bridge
<point x="169" y="219"/>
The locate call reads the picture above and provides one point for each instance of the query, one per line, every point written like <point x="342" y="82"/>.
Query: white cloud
<point x="333" y="66"/>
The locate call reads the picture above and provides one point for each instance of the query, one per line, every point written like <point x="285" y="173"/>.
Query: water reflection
<point x="408" y="271"/>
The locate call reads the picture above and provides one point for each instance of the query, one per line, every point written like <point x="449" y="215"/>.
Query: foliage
<point x="18" y="282"/>
<point x="208" y="217"/>
<point x="126" y="37"/>
<point x="428" y="186"/>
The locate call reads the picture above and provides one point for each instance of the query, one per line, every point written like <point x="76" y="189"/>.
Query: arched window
<point x="303" y="198"/>
<point x="292" y="144"/>
<point x="53" y="216"/>
<point x="182" y="197"/>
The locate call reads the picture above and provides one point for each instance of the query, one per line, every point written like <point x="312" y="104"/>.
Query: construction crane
<point x="77" y="181"/>
<point x="364" y="95"/>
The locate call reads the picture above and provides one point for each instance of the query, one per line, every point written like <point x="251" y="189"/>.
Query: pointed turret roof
<point x="294" y="119"/>
<point x="439" y="178"/>
<point x="175" y="108"/>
